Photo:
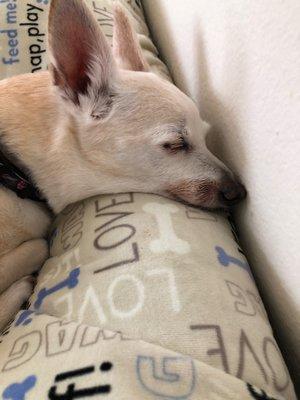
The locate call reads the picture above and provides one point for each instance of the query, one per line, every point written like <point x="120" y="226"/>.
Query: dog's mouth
<point x="217" y="207"/>
<point x="208" y="195"/>
<point x="189" y="204"/>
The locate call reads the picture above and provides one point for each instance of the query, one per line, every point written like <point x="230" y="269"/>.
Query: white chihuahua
<point x="98" y="122"/>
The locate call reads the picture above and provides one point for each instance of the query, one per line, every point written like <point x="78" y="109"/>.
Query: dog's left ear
<point x="126" y="48"/>
<point x="82" y="61"/>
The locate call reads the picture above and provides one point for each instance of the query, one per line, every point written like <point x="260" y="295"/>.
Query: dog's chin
<point x="211" y="206"/>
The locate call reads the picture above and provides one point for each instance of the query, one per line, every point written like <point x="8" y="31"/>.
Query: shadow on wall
<point x="225" y="141"/>
<point x="219" y="112"/>
<point x="280" y="330"/>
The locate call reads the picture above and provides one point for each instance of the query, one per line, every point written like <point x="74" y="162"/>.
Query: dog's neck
<point x="14" y="176"/>
<point x="44" y="141"/>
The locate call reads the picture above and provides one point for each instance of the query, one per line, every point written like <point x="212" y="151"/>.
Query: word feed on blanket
<point x="11" y="31"/>
<point x="32" y="22"/>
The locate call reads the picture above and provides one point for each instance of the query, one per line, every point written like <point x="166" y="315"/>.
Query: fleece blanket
<point x="143" y="297"/>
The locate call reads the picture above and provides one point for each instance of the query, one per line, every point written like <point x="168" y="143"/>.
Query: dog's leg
<point x="23" y="224"/>
<point x="20" y="221"/>
<point x="12" y="299"/>
<point x="22" y="261"/>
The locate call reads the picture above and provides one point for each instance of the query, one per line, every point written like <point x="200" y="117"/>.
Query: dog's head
<point x="131" y="126"/>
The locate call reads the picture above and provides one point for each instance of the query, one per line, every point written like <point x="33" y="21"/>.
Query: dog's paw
<point x="38" y="252"/>
<point x="12" y="299"/>
<point x="23" y="289"/>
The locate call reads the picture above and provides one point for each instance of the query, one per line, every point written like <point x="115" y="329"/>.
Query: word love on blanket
<point x="143" y="298"/>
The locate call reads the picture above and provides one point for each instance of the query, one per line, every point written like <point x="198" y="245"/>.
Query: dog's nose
<point x="232" y="192"/>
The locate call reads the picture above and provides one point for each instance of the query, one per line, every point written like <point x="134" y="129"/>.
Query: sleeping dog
<point x="98" y="122"/>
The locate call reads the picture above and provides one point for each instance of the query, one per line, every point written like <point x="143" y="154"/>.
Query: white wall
<point x="240" y="61"/>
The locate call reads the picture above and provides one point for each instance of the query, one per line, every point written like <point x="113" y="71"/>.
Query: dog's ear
<point x="126" y="47"/>
<point x="82" y="62"/>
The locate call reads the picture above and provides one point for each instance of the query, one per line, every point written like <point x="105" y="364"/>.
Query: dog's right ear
<point x="82" y="62"/>
<point x="126" y="47"/>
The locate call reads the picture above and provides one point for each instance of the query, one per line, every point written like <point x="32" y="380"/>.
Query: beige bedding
<point x="142" y="298"/>
<point x="158" y="291"/>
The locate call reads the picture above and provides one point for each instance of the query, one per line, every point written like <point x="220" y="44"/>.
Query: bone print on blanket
<point x="142" y="319"/>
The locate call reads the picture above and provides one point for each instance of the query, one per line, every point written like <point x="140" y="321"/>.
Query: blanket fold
<point x="143" y="297"/>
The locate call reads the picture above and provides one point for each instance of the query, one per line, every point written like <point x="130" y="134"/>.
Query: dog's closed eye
<point x="177" y="145"/>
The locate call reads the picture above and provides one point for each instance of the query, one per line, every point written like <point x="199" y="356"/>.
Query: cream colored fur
<point x="99" y="122"/>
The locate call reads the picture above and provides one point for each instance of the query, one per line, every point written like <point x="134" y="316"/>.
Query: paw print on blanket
<point x="70" y="283"/>
<point x="18" y="391"/>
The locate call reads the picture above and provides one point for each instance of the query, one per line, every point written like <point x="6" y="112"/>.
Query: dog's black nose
<point x="232" y="192"/>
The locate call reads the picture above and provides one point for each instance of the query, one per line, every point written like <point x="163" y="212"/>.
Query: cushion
<point x="157" y="295"/>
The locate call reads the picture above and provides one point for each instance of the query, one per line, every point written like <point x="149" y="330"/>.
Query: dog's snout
<point x="232" y="192"/>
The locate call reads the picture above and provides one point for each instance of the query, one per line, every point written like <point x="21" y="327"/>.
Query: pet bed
<point x="142" y="297"/>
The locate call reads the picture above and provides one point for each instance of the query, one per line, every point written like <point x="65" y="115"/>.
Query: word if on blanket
<point x="74" y="392"/>
<point x="70" y="283"/>
<point x="59" y="339"/>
